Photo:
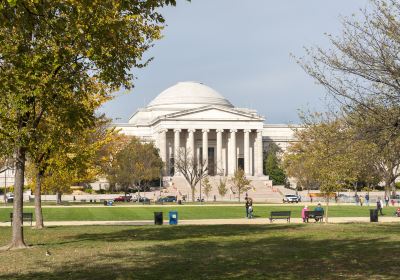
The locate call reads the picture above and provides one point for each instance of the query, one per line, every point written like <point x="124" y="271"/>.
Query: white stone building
<point x="193" y="116"/>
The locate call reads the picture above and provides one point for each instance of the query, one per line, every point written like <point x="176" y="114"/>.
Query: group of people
<point x="304" y="211"/>
<point x="360" y="200"/>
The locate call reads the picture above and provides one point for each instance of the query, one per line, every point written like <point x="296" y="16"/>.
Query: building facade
<point x="194" y="118"/>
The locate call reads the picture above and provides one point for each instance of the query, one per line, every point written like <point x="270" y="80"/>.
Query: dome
<point x="188" y="95"/>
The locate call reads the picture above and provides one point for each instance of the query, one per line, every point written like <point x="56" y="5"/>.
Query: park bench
<point x="25" y="217"/>
<point x="317" y="215"/>
<point x="146" y="202"/>
<point x="275" y="215"/>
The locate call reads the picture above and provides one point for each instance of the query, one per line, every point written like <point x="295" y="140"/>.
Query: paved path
<point x="258" y="221"/>
<point x="9" y="206"/>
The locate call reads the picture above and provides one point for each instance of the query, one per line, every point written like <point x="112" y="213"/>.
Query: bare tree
<point x="192" y="170"/>
<point x="361" y="69"/>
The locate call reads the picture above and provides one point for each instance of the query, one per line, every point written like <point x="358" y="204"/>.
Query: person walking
<point x="386" y="200"/>
<point x="361" y="200"/>
<point x="247" y="206"/>
<point x="379" y="206"/>
<point x="356" y="199"/>
<point x="367" y="199"/>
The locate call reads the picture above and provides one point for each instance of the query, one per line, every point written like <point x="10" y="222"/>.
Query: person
<point x="356" y="199"/>
<point x="303" y="214"/>
<point x="367" y="199"/>
<point x="361" y="200"/>
<point x="319" y="208"/>
<point x="386" y="200"/>
<point x="397" y="213"/>
<point x="250" y="207"/>
<point x="379" y="205"/>
<point x="247" y="206"/>
<point x="250" y="211"/>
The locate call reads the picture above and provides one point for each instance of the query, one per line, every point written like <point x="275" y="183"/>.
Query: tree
<point x="222" y="189"/>
<point x="192" y="170"/>
<point x="240" y="183"/>
<point x="360" y="69"/>
<point x="54" y="55"/>
<point x="135" y="163"/>
<point x="327" y="156"/>
<point x="207" y="187"/>
<point x="272" y="165"/>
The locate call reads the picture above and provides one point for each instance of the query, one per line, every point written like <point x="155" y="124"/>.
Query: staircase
<point x="261" y="191"/>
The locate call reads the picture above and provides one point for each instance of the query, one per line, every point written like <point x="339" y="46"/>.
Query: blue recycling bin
<point x="173" y="217"/>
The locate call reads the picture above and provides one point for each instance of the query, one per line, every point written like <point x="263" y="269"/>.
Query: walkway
<point x="257" y="221"/>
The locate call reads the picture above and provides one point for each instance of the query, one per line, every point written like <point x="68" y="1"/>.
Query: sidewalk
<point x="257" y="221"/>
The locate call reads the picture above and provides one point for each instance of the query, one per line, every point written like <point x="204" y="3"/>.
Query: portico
<point x="193" y="119"/>
<point x="221" y="150"/>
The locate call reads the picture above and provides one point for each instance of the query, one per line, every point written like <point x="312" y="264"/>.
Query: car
<point x="10" y="197"/>
<point x="169" y="198"/>
<point x="291" y="198"/>
<point x="144" y="199"/>
<point x="123" y="198"/>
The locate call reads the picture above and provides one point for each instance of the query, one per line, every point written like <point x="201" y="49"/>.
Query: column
<point x="246" y="148"/>
<point x="162" y="145"/>
<point x="232" y="162"/>
<point x="177" y="146"/>
<point x="190" y="144"/>
<point x="220" y="169"/>
<point x="205" y="147"/>
<point x="258" y="154"/>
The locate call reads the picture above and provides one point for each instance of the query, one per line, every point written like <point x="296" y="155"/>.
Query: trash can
<point x="158" y="218"/>
<point x="105" y="202"/>
<point x="173" y="217"/>
<point x="373" y="215"/>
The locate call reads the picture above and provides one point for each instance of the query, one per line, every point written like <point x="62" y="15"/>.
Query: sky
<point x="242" y="50"/>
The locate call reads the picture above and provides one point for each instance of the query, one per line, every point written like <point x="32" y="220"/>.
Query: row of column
<point x="232" y="152"/>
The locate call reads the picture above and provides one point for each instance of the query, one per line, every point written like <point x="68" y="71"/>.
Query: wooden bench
<point x="25" y="217"/>
<point x="275" y="215"/>
<point x="317" y="215"/>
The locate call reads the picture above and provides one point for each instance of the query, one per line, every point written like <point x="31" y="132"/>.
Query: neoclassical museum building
<point x="195" y="117"/>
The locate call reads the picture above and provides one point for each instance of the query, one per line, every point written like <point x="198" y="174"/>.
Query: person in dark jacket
<point x="379" y="205"/>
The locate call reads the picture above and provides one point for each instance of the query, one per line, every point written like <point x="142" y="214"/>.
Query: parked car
<point x="10" y="197"/>
<point x="169" y="198"/>
<point x="291" y="198"/>
<point x="123" y="198"/>
<point x="144" y="199"/>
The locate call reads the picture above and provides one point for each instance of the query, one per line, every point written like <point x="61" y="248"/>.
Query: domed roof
<point x="188" y="95"/>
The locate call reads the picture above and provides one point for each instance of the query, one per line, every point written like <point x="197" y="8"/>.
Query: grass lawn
<point x="116" y="213"/>
<point x="278" y="251"/>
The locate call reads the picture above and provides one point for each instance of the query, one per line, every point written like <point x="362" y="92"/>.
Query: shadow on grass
<point x="232" y="252"/>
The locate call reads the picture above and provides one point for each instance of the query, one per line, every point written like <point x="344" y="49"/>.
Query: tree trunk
<point x="393" y="188"/>
<point x="58" y="195"/>
<point x="327" y="208"/>
<point x="17" y="226"/>
<point x="38" y="201"/>
<point x="193" y="191"/>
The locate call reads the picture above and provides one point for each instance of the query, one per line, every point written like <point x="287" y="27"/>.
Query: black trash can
<point x="373" y="215"/>
<point x="158" y="218"/>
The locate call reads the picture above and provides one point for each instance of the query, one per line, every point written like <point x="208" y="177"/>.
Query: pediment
<point x="214" y="113"/>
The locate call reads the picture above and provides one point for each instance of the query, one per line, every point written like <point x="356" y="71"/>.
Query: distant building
<point x="193" y="116"/>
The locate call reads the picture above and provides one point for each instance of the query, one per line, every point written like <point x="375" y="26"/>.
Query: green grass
<point x="185" y="212"/>
<point x="277" y="251"/>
